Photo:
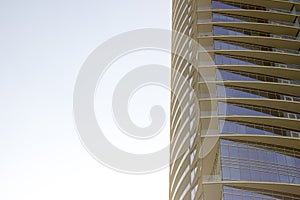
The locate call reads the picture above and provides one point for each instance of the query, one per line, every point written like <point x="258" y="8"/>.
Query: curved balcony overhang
<point x="211" y="188"/>
<point x="287" y="123"/>
<point x="268" y="28"/>
<point x="280" y="122"/>
<point x="288" y="106"/>
<point x="270" y="15"/>
<point x="263" y="14"/>
<point x="282" y="88"/>
<point x="278" y="72"/>
<point x="284" y="73"/>
<point x="288" y="89"/>
<point x="257" y="40"/>
<point x="278" y="57"/>
<point x="283" y="4"/>
<point x="270" y="140"/>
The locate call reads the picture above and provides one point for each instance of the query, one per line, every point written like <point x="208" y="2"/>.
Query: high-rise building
<point x="246" y="145"/>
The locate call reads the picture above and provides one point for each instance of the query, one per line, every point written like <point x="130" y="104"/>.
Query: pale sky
<point x="43" y="45"/>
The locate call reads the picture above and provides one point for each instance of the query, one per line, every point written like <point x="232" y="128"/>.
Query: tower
<point x="247" y="144"/>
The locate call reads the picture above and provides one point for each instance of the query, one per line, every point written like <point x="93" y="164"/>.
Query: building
<point x="249" y="100"/>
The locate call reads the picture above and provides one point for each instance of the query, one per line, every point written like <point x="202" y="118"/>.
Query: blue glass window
<point x="224" y="31"/>
<point x="254" y="162"/>
<point x="221" y="5"/>
<point x="225" y="60"/>
<point x="219" y="45"/>
<point x="224" y="18"/>
<point x="225" y="92"/>
<point x="230" y="76"/>
<point x="226" y="173"/>
<point x="229" y="109"/>
<point x="232" y="193"/>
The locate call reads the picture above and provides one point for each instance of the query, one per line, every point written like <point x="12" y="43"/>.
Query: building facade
<point x="246" y="145"/>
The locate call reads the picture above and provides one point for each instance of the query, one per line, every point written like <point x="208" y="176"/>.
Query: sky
<point x="43" y="46"/>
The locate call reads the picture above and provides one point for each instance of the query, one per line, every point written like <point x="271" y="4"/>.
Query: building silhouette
<point x="246" y="145"/>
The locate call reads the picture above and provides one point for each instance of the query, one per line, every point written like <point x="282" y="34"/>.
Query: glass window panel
<point x="245" y="174"/>
<point x="297" y="162"/>
<point x="233" y="152"/>
<point x="283" y="178"/>
<point x="224" y="151"/>
<point x="226" y="173"/>
<point x="281" y="159"/>
<point x="255" y="176"/>
<point x="228" y="197"/>
<point x="243" y="153"/>
<point x="290" y="161"/>
<point x="271" y="157"/>
<point x="262" y="164"/>
<point x="235" y="174"/>
<point x="252" y="154"/>
<point x="221" y="5"/>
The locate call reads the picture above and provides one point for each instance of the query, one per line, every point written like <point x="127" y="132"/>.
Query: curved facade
<point x="249" y="100"/>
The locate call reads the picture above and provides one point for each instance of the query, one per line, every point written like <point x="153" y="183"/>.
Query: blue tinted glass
<point x="255" y="176"/>
<point x="231" y="193"/>
<point x="252" y="154"/>
<point x="221" y="5"/>
<point x="245" y="174"/>
<point x="297" y="162"/>
<point x="283" y="178"/>
<point x="262" y="155"/>
<point x="235" y="174"/>
<point x="229" y="109"/>
<point x="224" y="151"/>
<point x="293" y="179"/>
<point x="218" y="59"/>
<point x="233" y="152"/>
<point x="225" y="60"/>
<point x="223" y="31"/>
<point x="226" y="46"/>
<point x="226" y="173"/>
<point x="229" y="92"/>
<point x="281" y="159"/>
<point x="271" y="157"/>
<point x="230" y="76"/>
<point x="274" y="178"/>
<point x="243" y="153"/>
<point x="227" y="127"/>
<point x="219" y="31"/>
<point x="257" y="164"/>
<point x="228" y="196"/>
<point x="290" y="161"/>
<point x="223" y="18"/>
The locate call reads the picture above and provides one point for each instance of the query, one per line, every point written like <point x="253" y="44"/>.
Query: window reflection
<point x="230" y="109"/>
<point x="226" y="92"/>
<point x="235" y="60"/>
<point x="232" y="193"/>
<point x="234" y="5"/>
<point x="237" y="92"/>
<point x="228" y="127"/>
<point x="254" y="162"/>
<point x="218" y="30"/>
<point x="248" y="110"/>
<point x="222" y="75"/>
<point x="221" y="45"/>
<point x="236" y="18"/>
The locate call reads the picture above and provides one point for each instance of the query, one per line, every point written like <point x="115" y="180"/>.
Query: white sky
<point x="42" y="46"/>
